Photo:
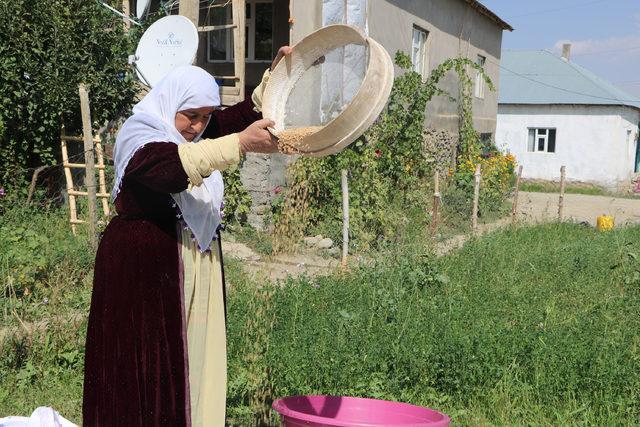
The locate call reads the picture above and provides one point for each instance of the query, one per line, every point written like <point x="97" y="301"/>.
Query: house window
<point x="479" y="84"/>
<point x="542" y="140"/>
<point x="258" y="31"/>
<point x="419" y="51"/>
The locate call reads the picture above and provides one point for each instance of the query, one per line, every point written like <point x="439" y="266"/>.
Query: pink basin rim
<point x="282" y="406"/>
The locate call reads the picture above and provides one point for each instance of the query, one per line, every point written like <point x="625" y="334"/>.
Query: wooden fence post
<point x="561" y="199"/>
<point x="90" y="176"/>
<point x="34" y="180"/>
<point x="476" y="199"/>
<point x="190" y="9"/>
<point x="345" y="217"/>
<point x="127" y="11"/>
<point x="514" y="207"/>
<point x="102" y="177"/>
<point x="436" y="203"/>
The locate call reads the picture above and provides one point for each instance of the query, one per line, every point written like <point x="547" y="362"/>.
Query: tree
<point x="46" y="49"/>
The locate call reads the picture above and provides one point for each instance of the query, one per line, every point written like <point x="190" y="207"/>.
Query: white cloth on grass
<point x="41" y="417"/>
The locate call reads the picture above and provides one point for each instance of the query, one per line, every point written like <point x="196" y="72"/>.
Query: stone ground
<point x="532" y="208"/>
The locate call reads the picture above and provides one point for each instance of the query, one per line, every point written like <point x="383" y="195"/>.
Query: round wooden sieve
<point x="357" y="116"/>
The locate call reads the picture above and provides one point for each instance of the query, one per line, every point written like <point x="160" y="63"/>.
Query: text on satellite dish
<point x="170" y="40"/>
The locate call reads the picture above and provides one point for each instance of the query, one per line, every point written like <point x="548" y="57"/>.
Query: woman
<point x="156" y="348"/>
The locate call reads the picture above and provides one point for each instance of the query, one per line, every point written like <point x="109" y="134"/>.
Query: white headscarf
<point x="153" y="120"/>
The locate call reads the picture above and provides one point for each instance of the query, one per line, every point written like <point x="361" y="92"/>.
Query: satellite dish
<point x="168" y="43"/>
<point x="141" y="8"/>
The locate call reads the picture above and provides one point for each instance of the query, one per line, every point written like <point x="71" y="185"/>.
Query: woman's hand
<point x="282" y="52"/>
<point x="257" y="139"/>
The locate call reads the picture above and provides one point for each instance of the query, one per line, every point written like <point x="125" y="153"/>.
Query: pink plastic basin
<point x="318" y="411"/>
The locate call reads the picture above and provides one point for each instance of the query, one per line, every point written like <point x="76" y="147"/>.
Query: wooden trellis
<point x="71" y="188"/>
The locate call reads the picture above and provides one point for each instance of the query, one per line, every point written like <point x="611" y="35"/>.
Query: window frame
<point x="422" y="51"/>
<point x="546" y="138"/>
<point x="250" y="34"/>
<point x="479" y="83"/>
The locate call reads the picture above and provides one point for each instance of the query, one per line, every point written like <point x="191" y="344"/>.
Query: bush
<point x="48" y="48"/>
<point x="497" y="180"/>
<point x="237" y="201"/>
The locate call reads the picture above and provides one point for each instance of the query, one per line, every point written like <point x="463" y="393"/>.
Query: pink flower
<point x="277" y="190"/>
<point x="378" y="153"/>
<point x="2" y="192"/>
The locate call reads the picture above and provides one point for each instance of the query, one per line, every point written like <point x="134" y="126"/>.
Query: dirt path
<point x="532" y="208"/>
<point x="538" y="207"/>
<point x="278" y="267"/>
<point x="543" y="207"/>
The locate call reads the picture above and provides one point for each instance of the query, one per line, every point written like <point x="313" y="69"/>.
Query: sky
<point x="604" y="34"/>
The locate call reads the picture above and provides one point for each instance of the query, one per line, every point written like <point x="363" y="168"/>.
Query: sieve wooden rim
<point x="358" y="115"/>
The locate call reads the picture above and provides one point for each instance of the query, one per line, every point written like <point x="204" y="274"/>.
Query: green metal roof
<point x="542" y="77"/>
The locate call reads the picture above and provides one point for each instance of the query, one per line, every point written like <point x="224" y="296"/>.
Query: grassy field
<point x="554" y="187"/>
<point x="573" y="188"/>
<point x="528" y="326"/>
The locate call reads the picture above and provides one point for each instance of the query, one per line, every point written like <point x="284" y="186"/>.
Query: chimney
<point x="566" y="51"/>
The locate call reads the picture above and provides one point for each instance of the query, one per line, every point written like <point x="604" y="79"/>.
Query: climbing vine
<point x="387" y="166"/>
<point x="469" y="139"/>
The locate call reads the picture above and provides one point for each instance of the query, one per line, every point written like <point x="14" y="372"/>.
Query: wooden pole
<point x="127" y="11"/>
<point x="101" y="177"/>
<point x="90" y="177"/>
<point x="190" y="9"/>
<point x="34" y="180"/>
<point x="345" y="217"/>
<point x="239" y="35"/>
<point x="73" y="213"/>
<point x="436" y="203"/>
<point x="514" y="207"/>
<point x="561" y="199"/>
<point x="476" y="199"/>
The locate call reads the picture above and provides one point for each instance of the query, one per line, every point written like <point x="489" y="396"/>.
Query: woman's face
<point x="190" y="123"/>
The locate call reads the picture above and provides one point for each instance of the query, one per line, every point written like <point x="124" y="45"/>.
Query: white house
<point x="553" y="113"/>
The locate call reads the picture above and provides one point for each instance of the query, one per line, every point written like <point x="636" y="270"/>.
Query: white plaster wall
<point x="323" y="91"/>
<point x="344" y="68"/>
<point x="591" y="141"/>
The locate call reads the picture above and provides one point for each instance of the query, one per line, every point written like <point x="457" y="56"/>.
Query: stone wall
<point x="261" y="174"/>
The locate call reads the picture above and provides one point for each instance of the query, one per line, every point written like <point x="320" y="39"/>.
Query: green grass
<point x="259" y="241"/>
<point x="45" y="277"/>
<point x="588" y="189"/>
<point x="534" y="326"/>
<point x="527" y="326"/>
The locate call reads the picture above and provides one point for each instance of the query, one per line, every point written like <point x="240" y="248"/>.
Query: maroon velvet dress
<point x="136" y="370"/>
